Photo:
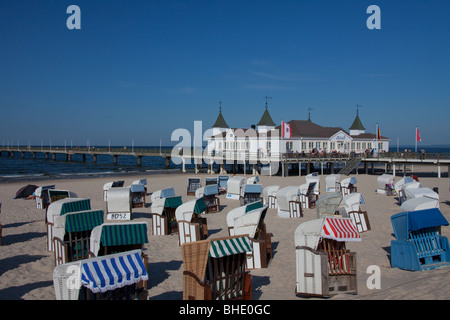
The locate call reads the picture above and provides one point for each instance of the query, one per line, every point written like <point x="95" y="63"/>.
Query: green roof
<point x="266" y="119"/>
<point x="220" y="122"/>
<point x="357" y="125"/>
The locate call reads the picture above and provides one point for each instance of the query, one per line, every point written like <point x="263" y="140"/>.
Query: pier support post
<point x="84" y="157"/>
<point x="393" y="169"/>
<point x="183" y="165"/>
<point x="53" y="156"/>
<point x="439" y="170"/>
<point x="139" y="161"/>
<point x="34" y="155"/>
<point x="94" y="158"/>
<point x="115" y="158"/>
<point x="168" y="162"/>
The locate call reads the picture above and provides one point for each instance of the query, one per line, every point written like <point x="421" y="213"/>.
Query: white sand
<point x="26" y="267"/>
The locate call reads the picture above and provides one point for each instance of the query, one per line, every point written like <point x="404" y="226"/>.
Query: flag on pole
<point x="286" y="127"/>
<point x="418" y="135"/>
<point x="378" y="133"/>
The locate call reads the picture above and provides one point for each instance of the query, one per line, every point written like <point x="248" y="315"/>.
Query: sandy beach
<point x="26" y="266"/>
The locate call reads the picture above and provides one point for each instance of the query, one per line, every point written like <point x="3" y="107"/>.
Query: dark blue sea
<point x="19" y="169"/>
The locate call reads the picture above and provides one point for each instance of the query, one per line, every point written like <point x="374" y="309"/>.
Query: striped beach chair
<point x="60" y="208"/>
<point x="72" y="233"/>
<point x="215" y="269"/>
<point x="112" y="277"/>
<point x="324" y="267"/>
<point x="114" y="237"/>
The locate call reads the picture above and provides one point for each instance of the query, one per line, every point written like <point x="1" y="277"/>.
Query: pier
<point x="393" y="162"/>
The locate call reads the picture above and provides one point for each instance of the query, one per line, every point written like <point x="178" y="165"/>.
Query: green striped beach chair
<point x="60" y="208"/>
<point x="72" y="233"/>
<point x="163" y="214"/>
<point x="191" y="226"/>
<point x="114" y="237"/>
<point x="215" y="269"/>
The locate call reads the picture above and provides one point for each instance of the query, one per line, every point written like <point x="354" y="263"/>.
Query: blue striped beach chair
<point x="215" y="269"/>
<point x="121" y="276"/>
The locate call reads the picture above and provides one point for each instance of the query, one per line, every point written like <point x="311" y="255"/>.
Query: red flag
<point x="418" y="135"/>
<point x="286" y="127"/>
<point x="378" y="133"/>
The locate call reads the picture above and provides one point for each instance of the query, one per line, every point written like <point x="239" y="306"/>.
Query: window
<point x="303" y="145"/>
<point x="325" y="145"/>
<point x="311" y="145"/>
<point x="268" y="145"/>
<point x="332" y="145"/>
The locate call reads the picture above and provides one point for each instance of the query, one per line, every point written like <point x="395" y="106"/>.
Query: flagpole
<point x="416" y="139"/>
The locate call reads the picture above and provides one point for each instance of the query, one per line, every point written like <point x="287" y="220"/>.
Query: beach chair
<point x="55" y="195"/>
<point x="251" y="193"/>
<point x="109" y="185"/>
<point x="412" y="193"/>
<point x="332" y="183"/>
<point x="420" y="203"/>
<point x="347" y="186"/>
<point x="138" y="192"/>
<point x="328" y="204"/>
<point x="234" y="187"/>
<point x="191" y="226"/>
<point x="164" y="204"/>
<point x="252" y="224"/>
<point x="407" y="186"/>
<point x="59" y="208"/>
<point x="210" y="181"/>
<point x="210" y="195"/>
<point x="324" y="267"/>
<point x="289" y="204"/>
<point x="118" y="205"/>
<point x="386" y="184"/>
<point x="270" y="196"/>
<point x="214" y="269"/>
<point x="41" y="196"/>
<point x="114" y="237"/>
<point x="419" y="244"/>
<point x="72" y="233"/>
<point x="193" y="184"/>
<point x="399" y="184"/>
<point x="314" y="178"/>
<point x="308" y="196"/>
<point x="120" y="276"/>
<point x="235" y="213"/>
<point x="351" y="207"/>
<point x="222" y="182"/>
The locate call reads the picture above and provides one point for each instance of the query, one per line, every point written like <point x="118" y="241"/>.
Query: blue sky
<point x="138" y="70"/>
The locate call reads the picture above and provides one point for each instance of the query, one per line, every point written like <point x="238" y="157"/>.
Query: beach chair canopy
<point x="420" y="203"/>
<point x="410" y="185"/>
<point x="229" y="246"/>
<point x="240" y="211"/>
<point x="269" y="191"/>
<point x="253" y="188"/>
<point x="63" y="206"/>
<point x="235" y="184"/>
<point x="210" y="180"/>
<point x="248" y="223"/>
<point x="222" y="181"/>
<point x="421" y="192"/>
<point x="137" y="188"/>
<point x="168" y="192"/>
<point x="348" y="181"/>
<point x="100" y="274"/>
<point x="328" y="203"/>
<point x="286" y="194"/>
<point x="211" y="189"/>
<point x="186" y="210"/>
<point x="77" y="222"/>
<point x="118" y="184"/>
<point x="141" y="181"/>
<point x="119" y="200"/>
<point x="405" y="222"/>
<point x="310" y="233"/>
<point x="352" y="201"/>
<point x="39" y="190"/>
<point x="252" y="180"/>
<point x="384" y="179"/>
<point x="331" y="180"/>
<point x="118" y="234"/>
